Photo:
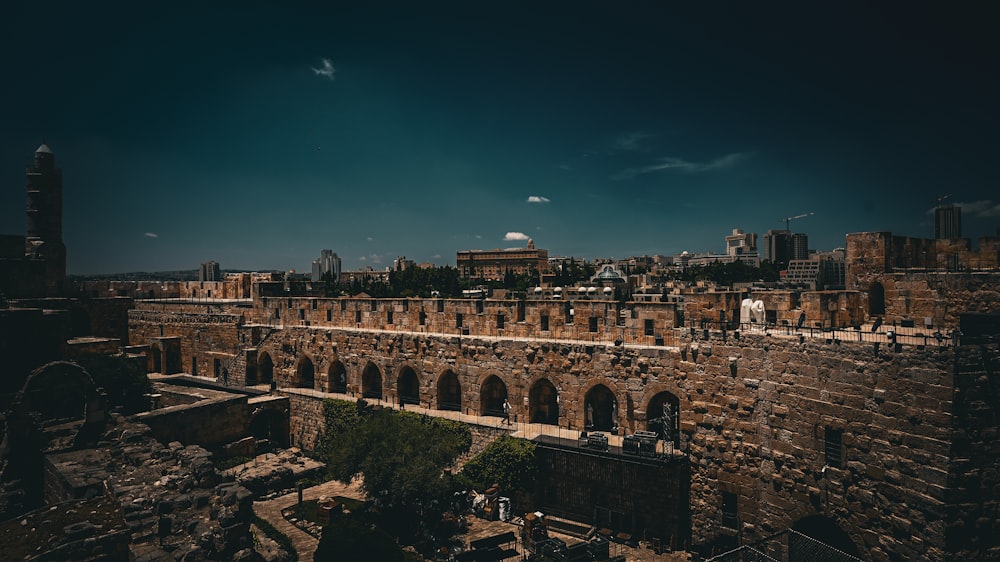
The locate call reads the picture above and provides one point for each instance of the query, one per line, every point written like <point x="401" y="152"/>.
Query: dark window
<point x="302" y="314"/>
<point x="730" y="513"/>
<point x="194" y="366"/>
<point x="833" y="448"/>
<point x="406" y="306"/>
<point x="440" y="304"/>
<point x="357" y="316"/>
<point x="593" y="323"/>
<point x="479" y="307"/>
<point x="545" y="322"/>
<point x="289" y="303"/>
<point x="648" y="326"/>
<point x="568" y="311"/>
<point x="423" y="317"/>
<point x="458" y="320"/>
<point x="520" y="312"/>
<point x="315" y="303"/>
<point x="388" y="316"/>
<point x="374" y="305"/>
<point x="329" y="316"/>
<point x="343" y="305"/>
<point x="500" y="321"/>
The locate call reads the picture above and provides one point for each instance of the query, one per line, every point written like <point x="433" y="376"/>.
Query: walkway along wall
<point x="778" y="428"/>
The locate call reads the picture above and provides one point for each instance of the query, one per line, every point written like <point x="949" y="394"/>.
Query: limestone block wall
<point x="204" y="337"/>
<point x="208" y="423"/>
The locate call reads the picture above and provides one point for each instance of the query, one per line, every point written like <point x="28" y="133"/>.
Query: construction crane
<point x="790" y="219"/>
<point x="939" y="200"/>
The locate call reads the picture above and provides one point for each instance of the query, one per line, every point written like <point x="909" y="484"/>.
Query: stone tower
<point x="44" y="213"/>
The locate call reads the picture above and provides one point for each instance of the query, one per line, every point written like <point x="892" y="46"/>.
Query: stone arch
<point x="57" y="390"/>
<point x="408" y="385"/>
<point x="600" y="409"/>
<point x="543" y="402"/>
<point x="818" y="528"/>
<point x="492" y="393"/>
<point x="336" y="377"/>
<point x="371" y="382"/>
<point x="265" y="369"/>
<point x="449" y="392"/>
<point x="876" y="299"/>
<point x="270" y="425"/>
<point x="305" y="372"/>
<point x="663" y="417"/>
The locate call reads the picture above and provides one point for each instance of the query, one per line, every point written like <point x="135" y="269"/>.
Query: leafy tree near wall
<point x="402" y="456"/>
<point x="507" y="461"/>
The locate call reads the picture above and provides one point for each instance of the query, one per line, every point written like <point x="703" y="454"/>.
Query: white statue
<point x="757" y="308"/>
<point x="745" y="310"/>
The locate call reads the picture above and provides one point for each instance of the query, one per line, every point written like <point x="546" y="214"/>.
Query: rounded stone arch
<point x="663" y="417"/>
<point x="449" y="391"/>
<point x="876" y="299"/>
<point x="600" y="408"/>
<point x="819" y="528"/>
<point x="371" y="381"/>
<point x="305" y="372"/>
<point x="492" y="393"/>
<point x="265" y="369"/>
<point x="336" y="377"/>
<point x="543" y="402"/>
<point x="408" y="385"/>
<point x="57" y="390"/>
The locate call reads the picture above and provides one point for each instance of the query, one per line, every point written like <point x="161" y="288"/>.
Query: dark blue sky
<point x="215" y="130"/>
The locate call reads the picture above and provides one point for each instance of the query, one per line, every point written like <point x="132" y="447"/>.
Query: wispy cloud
<point x="673" y="163"/>
<point x="326" y="70"/>
<point x="630" y="141"/>
<point x="983" y="208"/>
<point x="515" y="236"/>
<point x="151" y="235"/>
<point x="537" y="199"/>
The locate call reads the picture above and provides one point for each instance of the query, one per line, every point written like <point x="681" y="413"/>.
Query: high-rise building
<point x="209" y="271"/>
<point x="327" y="262"/>
<point x="947" y="222"/>
<point x="800" y="247"/>
<point x="777" y="246"/>
<point x="740" y="242"/>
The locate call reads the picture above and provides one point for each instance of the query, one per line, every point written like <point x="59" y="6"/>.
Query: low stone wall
<point x="209" y="423"/>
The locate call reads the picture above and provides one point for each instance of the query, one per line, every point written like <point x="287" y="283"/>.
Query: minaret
<point x="44" y="213"/>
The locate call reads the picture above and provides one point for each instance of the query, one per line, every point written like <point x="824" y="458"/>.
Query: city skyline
<point x="255" y="136"/>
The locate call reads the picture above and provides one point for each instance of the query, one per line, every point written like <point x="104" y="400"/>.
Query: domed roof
<point x="609" y="274"/>
<point x="44" y="149"/>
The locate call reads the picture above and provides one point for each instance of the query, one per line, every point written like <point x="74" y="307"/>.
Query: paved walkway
<point x="304" y="543"/>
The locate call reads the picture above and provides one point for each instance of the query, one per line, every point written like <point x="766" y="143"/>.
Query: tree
<point x="508" y="461"/>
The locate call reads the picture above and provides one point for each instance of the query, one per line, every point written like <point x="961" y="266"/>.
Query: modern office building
<point x="947" y="222"/>
<point x="327" y="262"/>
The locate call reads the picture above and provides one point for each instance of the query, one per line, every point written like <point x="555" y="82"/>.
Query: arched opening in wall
<point x="57" y="392"/>
<point x="543" y="403"/>
<point x="663" y="417"/>
<point x="815" y="536"/>
<point x="271" y="426"/>
<point x="876" y="299"/>
<point x="371" y="382"/>
<point x="449" y="392"/>
<point x="600" y="409"/>
<point x="305" y="373"/>
<point x="265" y="368"/>
<point x="408" y="386"/>
<point x="336" y="377"/>
<point x="491" y="397"/>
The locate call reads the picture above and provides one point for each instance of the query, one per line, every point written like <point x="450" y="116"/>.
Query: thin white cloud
<point x="982" y="208"/>
<point x="151" y="235"/>
<point x="369" y="238"/>
<point x="673" y="163"/>
<point x="515" y="236"/>
<point x="436" y="257"/>
<point x="630" y="141"/>
<point x="326" y="71"/>
<point x="537" y="199"/>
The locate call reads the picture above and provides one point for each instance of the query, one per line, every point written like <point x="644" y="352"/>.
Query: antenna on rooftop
<point x="939" y="200"/>
<point x="790" y="219"/>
